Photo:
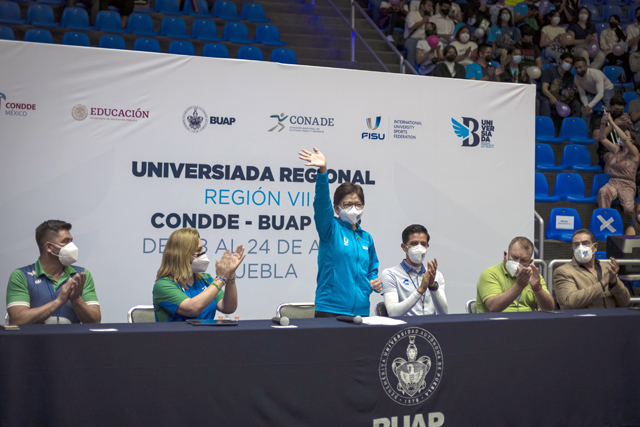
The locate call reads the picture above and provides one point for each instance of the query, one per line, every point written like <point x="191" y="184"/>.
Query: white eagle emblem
<point x="412" y="373"/>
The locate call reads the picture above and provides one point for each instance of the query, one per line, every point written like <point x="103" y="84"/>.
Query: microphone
<point x="282" y="321"/>
<point x="350" y="319"/>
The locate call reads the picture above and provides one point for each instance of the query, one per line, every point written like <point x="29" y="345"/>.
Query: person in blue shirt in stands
<point x="347" y="260"/>
<point x="482" y="69"/>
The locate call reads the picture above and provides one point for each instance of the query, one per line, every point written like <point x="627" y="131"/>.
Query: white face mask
<point x="464" y="37"/>
<point x="517" y="59"/>
<point x="583" y="254"/>
<point x="512" y="267"/>
<point x="68" y="253"/>
<point x="505" y="17"/>
<point x="200" y="264"/>
<point x="555" y="20"/>
<point x="583" y="17"/>
<point x="417" y="253"/>
<point x="566" y="66"/>
<point x="351" y="215"/>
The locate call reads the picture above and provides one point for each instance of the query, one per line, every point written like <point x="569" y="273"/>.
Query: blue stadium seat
<point x="215" y="50"/>
<point x="562" y="223"/>
<point x="10" y="13"/>
<point x="204" y="29"/>
<point x="598" y="182"/>
<point x="631" y="12"/>
<point x="6" y="33"/>
<point x="54" y="2"/>
<point x="169" y="7"/>
<point x="203" y="8"/>
<point x="546" y="131"/>
<point x="600" y="27"/>
<point x="41" y="15"/>
<point x="628" y="97"/>
<point x="608" y="10"/>
<point x="146" y="45"/>
<point x="141" y="24"/>
<point x="75" y="18"/>
<point x="182" y="48"/>
<point x="601" y="255"/>
<point x="76" y="39"/>
<point x="174" y="27"/>
<point x="283" y="56"/>
<point x="545" y="159"/>
<point x="606" y="222"/>
<point x="616" y="75"/>
<point x="542" y="190"/>
<point x="251" y="53"/>
<point x="254" y="12"/>
<point x="38" y="36"/>
<point x="236" y="32"/>
<point x="112" y="42"/>
<point x="109" y="22"/>
<point x="595" y="16"/>
<point x="577" y="157"/>
<point x="574" y="129"/>
<point x="225" y="10"/>
<point x="268" y="35"/>
<point x="570" y="188"/>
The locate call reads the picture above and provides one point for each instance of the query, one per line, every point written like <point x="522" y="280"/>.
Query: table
<point x="530" y="369"/>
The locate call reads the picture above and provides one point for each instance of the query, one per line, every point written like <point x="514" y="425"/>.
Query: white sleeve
<point x="439" y="299"/>
<point x="390" y="294"/>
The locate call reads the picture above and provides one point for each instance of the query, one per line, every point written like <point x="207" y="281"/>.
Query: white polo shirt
<point x="400" y="290"/>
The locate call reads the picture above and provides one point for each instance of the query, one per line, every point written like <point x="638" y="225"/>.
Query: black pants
<point x="621" y="61"/>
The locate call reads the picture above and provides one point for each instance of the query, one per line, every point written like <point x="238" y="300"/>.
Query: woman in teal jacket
<point x="347" y="260"/>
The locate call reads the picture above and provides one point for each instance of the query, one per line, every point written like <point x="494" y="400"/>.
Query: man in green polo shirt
<point x="515" y="284"/>
<point x="52" y="290"/>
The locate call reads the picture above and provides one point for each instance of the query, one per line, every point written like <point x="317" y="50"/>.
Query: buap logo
<point x="412" y="380"/>
<point x="373" y="125"/>
<point x="468" y="131"/>
<point x="194" y="119"/>
<point x="281" y="118"/>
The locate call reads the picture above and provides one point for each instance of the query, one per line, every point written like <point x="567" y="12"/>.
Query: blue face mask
<point x="566" y="66"/>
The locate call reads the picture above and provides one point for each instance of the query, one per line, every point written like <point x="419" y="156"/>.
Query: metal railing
<point x="540" y="221"/>
<point x="557" y="262"/>
<point x="404" y="64"/>
<point x="545" y="269"/>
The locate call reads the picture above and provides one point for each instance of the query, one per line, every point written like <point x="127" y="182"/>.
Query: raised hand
<point x="227" y="265"/>
<point x="314" y="159"/>
<point x="430" y="276"/>
<point x="77" y="287"/>
<point x="65" y="290"/>
<point x="522" y="276"/>
<point x="534" y="278"/>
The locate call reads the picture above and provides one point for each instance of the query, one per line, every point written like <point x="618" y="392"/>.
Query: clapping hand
<point x="76" y="286"/>
<point x="534" y="278"/>
<point x="314" y="159"/>
<point x="227" y="265"/>
<point x="523" y="275"/>
<point x="430" y="276"/>
<point x="610" y="272"/>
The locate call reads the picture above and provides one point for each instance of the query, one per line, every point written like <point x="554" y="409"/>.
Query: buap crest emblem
<point x="195" y="119"/>
<point x="412" y="380"/>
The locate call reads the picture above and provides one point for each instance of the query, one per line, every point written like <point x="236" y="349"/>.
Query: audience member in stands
<point x="530" y="52"/>
<point x="504" y="35"/>
<point x="52" y="290"/>
<point x="634" y="228"/>
<point x="622" y="164"/>
<point x="449" y="67"/>
<point x="585" y="282"/>
<point x="444" y="23"/>
<point x="470" y="21"/>
<point x="482" y="69"/>
<point x="616" y="108"/>
<point x="515" y="284"/>
<point x="526" y="13"/>
<point x="512" y="72"/>
<point x="414" y="29"/>
<point x="455" y="13"/>
<point x="183" y="290"/>
<point x="633" y="37"/>
<point x="465" y="47"/>
<point x="609" y="38"/>
<point x="557" y="85"/>
<point x="347" y="260"/>
<point x="593" y="86"/>
<point x="405" y="286"/>
<point x="634" y="109"/>
<point x="426" y="57"/>
<point x="551" y="37"/>
<point x="583" y="32"/>
<point x="496" y="12"/>
<point x="567" y="9"/>
<point x="483" y="15"/>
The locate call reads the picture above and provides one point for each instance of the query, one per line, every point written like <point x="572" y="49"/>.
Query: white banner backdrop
<point x="125" y="145"/>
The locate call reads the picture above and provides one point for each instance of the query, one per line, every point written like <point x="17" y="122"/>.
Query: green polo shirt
<point x="495" y="280"/>
<point x="18" y="289"/>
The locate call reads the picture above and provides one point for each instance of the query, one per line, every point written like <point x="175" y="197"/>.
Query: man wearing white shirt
<point x="414" y="30"/>
<point x="445" y="24"/>
<point x="593" y="86"/>
<point x="408" y="288"/>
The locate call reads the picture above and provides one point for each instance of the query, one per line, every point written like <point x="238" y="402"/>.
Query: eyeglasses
<point x="199" y="254"/>
<point x="348" y="205"/>
<point x="583" y="243"/>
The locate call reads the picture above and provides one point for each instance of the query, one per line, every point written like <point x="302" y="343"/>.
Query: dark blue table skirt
<point x="532" y="369"/>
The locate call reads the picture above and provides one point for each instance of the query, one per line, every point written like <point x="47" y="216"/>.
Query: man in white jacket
<point x="410" y="289"/>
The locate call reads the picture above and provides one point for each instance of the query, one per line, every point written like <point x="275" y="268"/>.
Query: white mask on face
<point x="464" y="37"/>
<point x="512" y="267"/>
<point x="583" y="17"/>
<point x="417" y="253"/>
<point x="555" y="20"/>
<point x="200" y="264"/>
<point x="517" y="59"/>
<point x="583" y="254"/>
<point x="505" y="17"/>
<point x="68" y="253"/>
<point x="351" y="215"/>
<point x="566" y="66"/>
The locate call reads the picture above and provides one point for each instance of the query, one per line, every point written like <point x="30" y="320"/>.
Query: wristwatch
<point x="434" y="287"/>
